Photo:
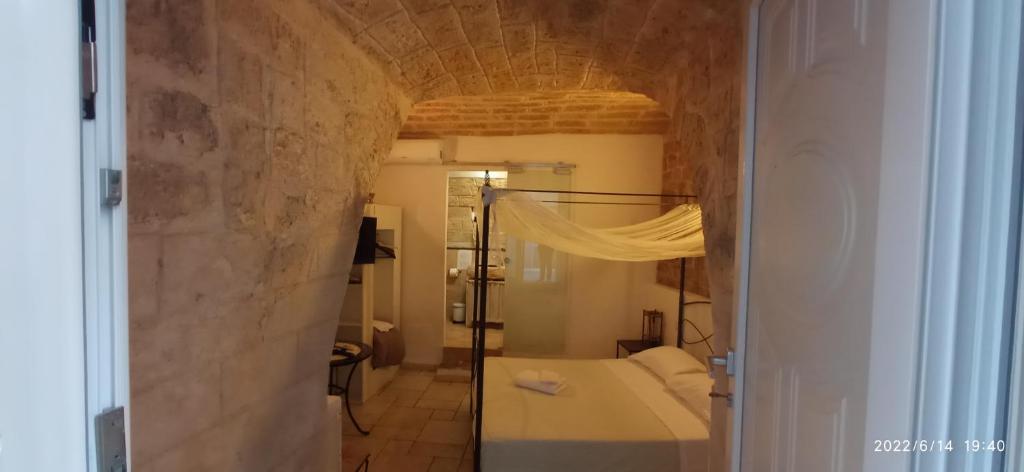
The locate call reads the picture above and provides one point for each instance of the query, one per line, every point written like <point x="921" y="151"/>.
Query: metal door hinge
<point x="112" y="453"/>
<point x="89" y="72"/>
<point x="728" y="360"/>
<point x="111" y="187"/>
<point x="726" y="396"/>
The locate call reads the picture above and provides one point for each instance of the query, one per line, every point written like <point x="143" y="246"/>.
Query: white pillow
<point x="693" y="390"/>
<point x="666" y="361"/>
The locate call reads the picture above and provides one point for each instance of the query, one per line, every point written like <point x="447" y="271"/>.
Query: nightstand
<point x="632" y="346"/>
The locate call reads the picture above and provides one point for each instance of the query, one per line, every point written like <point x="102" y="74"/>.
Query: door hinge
<point x="112" y="454"/>
<point x="728" y="360"/>
<point x="111" y="187"/>
<point x="90" y="68"/>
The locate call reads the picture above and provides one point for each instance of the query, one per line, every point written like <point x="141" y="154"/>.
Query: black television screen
<point x="367" y="245"/>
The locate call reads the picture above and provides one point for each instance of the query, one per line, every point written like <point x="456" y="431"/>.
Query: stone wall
<point x="511" y="114"/>
<point x="463" y="192"/>
<point x="463" y="195"/>
<point x="254" y="133"/>
<point x="703" y="98"/>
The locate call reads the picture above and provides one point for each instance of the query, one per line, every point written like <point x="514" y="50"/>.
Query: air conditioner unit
<point x="416" y="151"/>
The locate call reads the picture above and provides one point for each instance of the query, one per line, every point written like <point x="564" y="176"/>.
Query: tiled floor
<point x="458" y="335"/>
<point x="416" y="424"/>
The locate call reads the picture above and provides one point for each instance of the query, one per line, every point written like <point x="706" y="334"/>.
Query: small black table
<point x="633" y="345"/>
<point x="341" y="357"/>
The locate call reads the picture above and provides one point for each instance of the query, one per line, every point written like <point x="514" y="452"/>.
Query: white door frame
<point x="105" y="231"/>
<point x="969" y="287"/>
<point x="964" y="206"/>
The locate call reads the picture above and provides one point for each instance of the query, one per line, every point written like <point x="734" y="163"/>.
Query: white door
<point x="42" y="369"/>
<point x="821" y="71"/>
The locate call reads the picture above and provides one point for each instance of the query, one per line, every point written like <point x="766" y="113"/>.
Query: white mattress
<point x="614" y="415"/>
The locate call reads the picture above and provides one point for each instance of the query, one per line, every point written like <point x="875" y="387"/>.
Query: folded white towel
<point x="544" y="381"/>
<point x="550" y="377"/>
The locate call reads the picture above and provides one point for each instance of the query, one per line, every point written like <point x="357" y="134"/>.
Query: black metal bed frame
<point x="481" y="251"/>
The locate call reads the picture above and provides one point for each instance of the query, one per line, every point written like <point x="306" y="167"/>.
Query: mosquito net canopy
<point x="675" y="234"/>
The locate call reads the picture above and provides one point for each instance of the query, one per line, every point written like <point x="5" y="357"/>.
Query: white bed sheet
<point x="613" y="415"/>
<point x="690" y="430"/>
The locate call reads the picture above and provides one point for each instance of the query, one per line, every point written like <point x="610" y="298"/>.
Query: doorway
<point x="461" y="238"/>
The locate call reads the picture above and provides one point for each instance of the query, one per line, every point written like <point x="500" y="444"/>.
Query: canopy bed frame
<point x="479" y="308"/>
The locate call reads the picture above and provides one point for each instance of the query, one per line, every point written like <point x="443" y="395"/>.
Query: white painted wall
<point x="42" y="352"/>
<point x="605" y="297"/>
<point x="420" y="190"/>
<point x="650" y="295"/>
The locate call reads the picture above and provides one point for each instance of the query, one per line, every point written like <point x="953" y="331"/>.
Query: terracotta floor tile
<point x="444" y="464"/>
<point x="416" y="424"/>
<point x="401" y="393"/>
<point x="347" y="428"/>
<point x="395" y="432"/>
<point x="435" y="450"/>
<point x="381" y="399"/>
<point x="405" y="397"/>
<point x="349" y="465"/>
<point x="405" y="417"/>
<point x="413" y="382"/>
<point x="466" y="411"/>
<point x="438" y="404"/>
<point x="444" y="415"/>
<point x="397" y="447"/>
<point x="355" y="448"/>
<point x="386" y="394"/>
<point x="445" y="391"/>
<point x="409" y="402"/>
<point x="415" y="373"/>
<point x="446" y="432"/>
<point x="401" y="464"/>
<point x="368" y="415"/>
<point x="383" y="432"/>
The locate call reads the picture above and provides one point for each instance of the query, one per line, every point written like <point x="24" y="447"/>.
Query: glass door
<point x="536" y="300"/>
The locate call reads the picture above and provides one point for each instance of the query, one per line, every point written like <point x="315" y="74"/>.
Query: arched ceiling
<point x="441" y="48"/>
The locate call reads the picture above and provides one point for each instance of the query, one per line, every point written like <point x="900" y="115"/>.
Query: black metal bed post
<point x="476" y="301"/>
<point x="487" y="195"/>
<point x="682" y="302"/>
<point x="680" y="340"/>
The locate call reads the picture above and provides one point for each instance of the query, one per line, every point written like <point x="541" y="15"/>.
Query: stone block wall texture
<point x="463" y="195"/>
<point x="510" y="114"/>
<point x="703" y="99"/>
<point x="255" y="129"/>
<point x="463" y="192"/>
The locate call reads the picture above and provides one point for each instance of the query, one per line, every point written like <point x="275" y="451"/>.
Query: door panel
<point x="815" y="171"/>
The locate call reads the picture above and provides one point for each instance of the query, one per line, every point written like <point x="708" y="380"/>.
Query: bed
<point x="607" y="415"/>
<point x="613" y="415"/>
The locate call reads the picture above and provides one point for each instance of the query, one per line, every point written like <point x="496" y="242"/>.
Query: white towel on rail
<point x="545" y="381"/>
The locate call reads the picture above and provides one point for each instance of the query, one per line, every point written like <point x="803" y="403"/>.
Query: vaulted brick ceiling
<point x="545" y="112"/>
<point x="441" y="48"/>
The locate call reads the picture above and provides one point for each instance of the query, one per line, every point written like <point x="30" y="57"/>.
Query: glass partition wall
<point x="536" y="296"/>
